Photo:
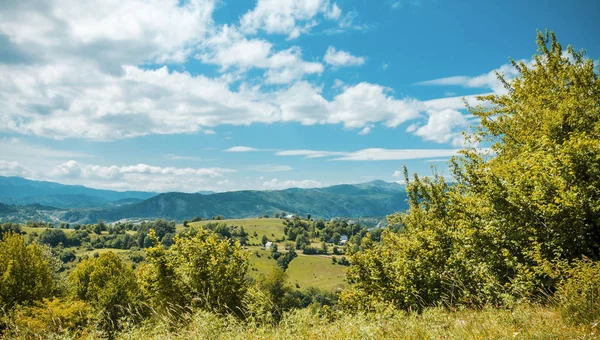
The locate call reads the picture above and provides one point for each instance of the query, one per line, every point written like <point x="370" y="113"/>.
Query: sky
<point x="191" y="95"/>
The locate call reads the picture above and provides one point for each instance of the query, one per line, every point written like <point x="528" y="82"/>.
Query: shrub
<point x="25" y="272"/>
<point x="51" y="316"/>
<point x="108" y="285"/>
<point x="199" y="270"/>
<point x="579" y="295"/>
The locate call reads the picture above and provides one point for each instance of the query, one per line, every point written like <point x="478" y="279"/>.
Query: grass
<point x="316" y="271"/>
<point x="524" y="322"/>
<point x="271" y="227"/>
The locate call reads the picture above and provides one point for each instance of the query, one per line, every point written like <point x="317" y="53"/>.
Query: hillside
<point x="367" y="199"/>
<point x="21" y="191"/>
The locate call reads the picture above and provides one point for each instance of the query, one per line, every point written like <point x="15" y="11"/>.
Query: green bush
<point x="25" y="272"/>
<point x="51" y="316"/>
<point x="579" y="296"/>
<point x="107" y="284"/>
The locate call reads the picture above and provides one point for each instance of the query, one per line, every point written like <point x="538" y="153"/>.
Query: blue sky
<point x="268" y="94"/>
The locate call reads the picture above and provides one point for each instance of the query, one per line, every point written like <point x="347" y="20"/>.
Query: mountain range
<point x="26" y="199"/>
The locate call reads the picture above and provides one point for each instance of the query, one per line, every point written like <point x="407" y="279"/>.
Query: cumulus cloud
<point x="122" y="177"/>
<point x="80" y="73"/>
<point x="111" y="33"/>
<point x="442" y="125"/>
<point x="13" y="168"/>
<point x="288" y="17"/>
<point x="229" y="48"/>
<point x="341" y="58"/>
<point x="397" y="173"/>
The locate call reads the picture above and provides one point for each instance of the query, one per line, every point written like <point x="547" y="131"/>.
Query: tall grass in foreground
<point x="523" y="322"/>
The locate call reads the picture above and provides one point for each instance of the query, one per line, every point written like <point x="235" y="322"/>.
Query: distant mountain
<point x="21" y="191"/>
<point x="206" y="192"/>
<point x="376" y="198"/>
<point x="32" y="200"/>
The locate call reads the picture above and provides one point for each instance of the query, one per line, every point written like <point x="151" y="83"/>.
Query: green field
<point x="303" y="272"/>
<point x="316" y="271"/>
<point x="271" y="227"/>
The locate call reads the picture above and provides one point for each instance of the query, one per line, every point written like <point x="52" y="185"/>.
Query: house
<point x="268" y="245"/>
<point x="343" y="239"/>
<point x="290" y="216"/>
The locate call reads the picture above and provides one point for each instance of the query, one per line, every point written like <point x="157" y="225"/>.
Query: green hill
<point x="367" y="199"/>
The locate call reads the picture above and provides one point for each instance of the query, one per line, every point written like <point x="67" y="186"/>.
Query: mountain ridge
<point x="376" y="198"/>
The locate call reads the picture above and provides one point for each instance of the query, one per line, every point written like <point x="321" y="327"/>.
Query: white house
<point x="343" y="239"/>
<point x="268" y="245"/>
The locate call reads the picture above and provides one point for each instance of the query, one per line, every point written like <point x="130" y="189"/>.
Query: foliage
<point x="515" y="213"/>
<point x="527" y="322"/>
<point x="579" y="296"/>
<point x="284" y="261"/>
<point x="25" y="272"/>
<point x="51" y="316"/>
<point x="108" y="285"/>
<point x="199" y="270"/>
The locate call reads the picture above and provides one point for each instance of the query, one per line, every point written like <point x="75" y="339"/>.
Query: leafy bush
<point x="199" y="270"/>
<point x="107" y="284"/>
<point x="51" y="316"/>
<point x="579" y="295"/>
<point x="515" y="212"/>
<point x="25" y="272"/>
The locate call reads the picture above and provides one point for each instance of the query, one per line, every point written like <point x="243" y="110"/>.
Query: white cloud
<point x="78" y="79"/>
<point x="372" y="154"/>
<point x="378" y="154"/>
<point x="110" y="32"/>
<point x="442" y="126"/>
<point x="397" y="173"/>
<point x="309" y="153"/>
<point x="341" y="58"/>
<point x="242" y="149"/>
<point x="366" y="130"/>
<point x="209" y="132"/>
<point x="228" y="48"/>
<point x="276" y="184"/>
<point x="18" y="149"/>
<point x="129" y="177"/>
<point x="486" y="80"/>
<point x="12" y="168"/>
<point x="287" y="17"/>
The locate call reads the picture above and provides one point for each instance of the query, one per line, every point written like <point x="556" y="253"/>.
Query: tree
<point x="25" y="272"/>
<point x="199" y="270"/>
<point x="107" y="284"/>
<point x="516" y="214"/>
<point x="53" y="237"/>
<point x="264" y="240"/>
<point x="284" y="261"/>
